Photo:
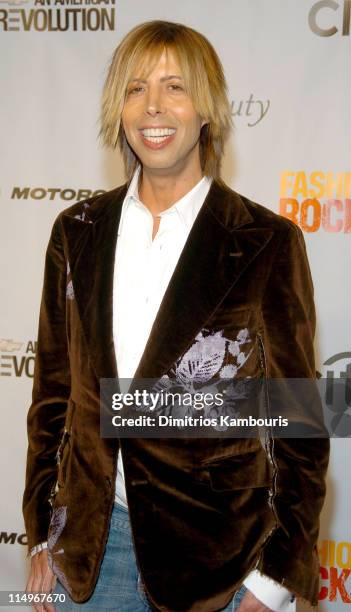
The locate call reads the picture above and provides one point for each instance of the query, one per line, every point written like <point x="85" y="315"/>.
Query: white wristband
<point x="38" y="548"/>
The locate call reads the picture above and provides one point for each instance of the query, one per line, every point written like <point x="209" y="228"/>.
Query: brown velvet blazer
<point x="203" y="513"/>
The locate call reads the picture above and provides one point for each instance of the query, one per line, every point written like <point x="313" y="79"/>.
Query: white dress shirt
<point x="143" y="269"/>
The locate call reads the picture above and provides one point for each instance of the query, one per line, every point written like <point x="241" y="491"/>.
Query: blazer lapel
<point x="218" y="250"/>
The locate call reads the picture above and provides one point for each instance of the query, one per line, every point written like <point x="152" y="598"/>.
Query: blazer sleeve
<point x="51" y="390"/>
<point x="290" y="554"/>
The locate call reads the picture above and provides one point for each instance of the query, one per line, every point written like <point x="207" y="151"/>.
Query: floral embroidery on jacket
<point x="57" y="524"/>
<point x="211" y="362"/>
<point x="69" y="287"/>
<point x="207" y="356"/>
<point x="69" y="291"/>
<point x="83" y="216"/>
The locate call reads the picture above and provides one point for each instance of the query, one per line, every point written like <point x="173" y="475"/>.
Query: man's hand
<point x="41" y="580"/>
<point x="250" y="603"/>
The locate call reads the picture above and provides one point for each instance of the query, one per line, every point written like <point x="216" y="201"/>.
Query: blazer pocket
<point x="248" y="471"/>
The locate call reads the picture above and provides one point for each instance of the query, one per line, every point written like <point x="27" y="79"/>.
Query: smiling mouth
<point x="157" y="135"/>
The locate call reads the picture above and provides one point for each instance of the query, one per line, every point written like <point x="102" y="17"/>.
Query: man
<point x="136" y="280"/>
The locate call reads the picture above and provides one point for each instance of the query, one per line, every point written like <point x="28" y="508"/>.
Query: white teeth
<point x="157" y="132"/>
<point x="156" y="138"/>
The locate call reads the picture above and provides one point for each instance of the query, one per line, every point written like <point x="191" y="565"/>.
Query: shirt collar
<point x="187" y="207"/>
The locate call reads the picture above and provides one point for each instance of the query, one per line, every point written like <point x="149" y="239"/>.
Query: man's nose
<point x="154" y="102"/>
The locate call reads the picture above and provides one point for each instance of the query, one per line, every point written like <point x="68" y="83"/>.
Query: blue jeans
<point x="119" y="587"/>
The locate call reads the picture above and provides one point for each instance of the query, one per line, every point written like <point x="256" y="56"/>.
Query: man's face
<point x="159" y="119"/>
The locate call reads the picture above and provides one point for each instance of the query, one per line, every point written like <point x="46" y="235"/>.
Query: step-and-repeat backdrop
<point x="288" y="70"/>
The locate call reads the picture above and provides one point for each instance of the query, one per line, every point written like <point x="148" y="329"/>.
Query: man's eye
<point x="134" y="90"/>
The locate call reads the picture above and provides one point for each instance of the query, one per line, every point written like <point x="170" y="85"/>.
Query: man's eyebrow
<point x="162" y="79"/>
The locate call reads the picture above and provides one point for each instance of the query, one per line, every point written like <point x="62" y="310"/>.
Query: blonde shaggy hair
<point x="204" y="82"/>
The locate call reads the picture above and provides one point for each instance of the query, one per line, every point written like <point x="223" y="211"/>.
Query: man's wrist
<point x="38" y="548"/>
<point x="269" y="592"/>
